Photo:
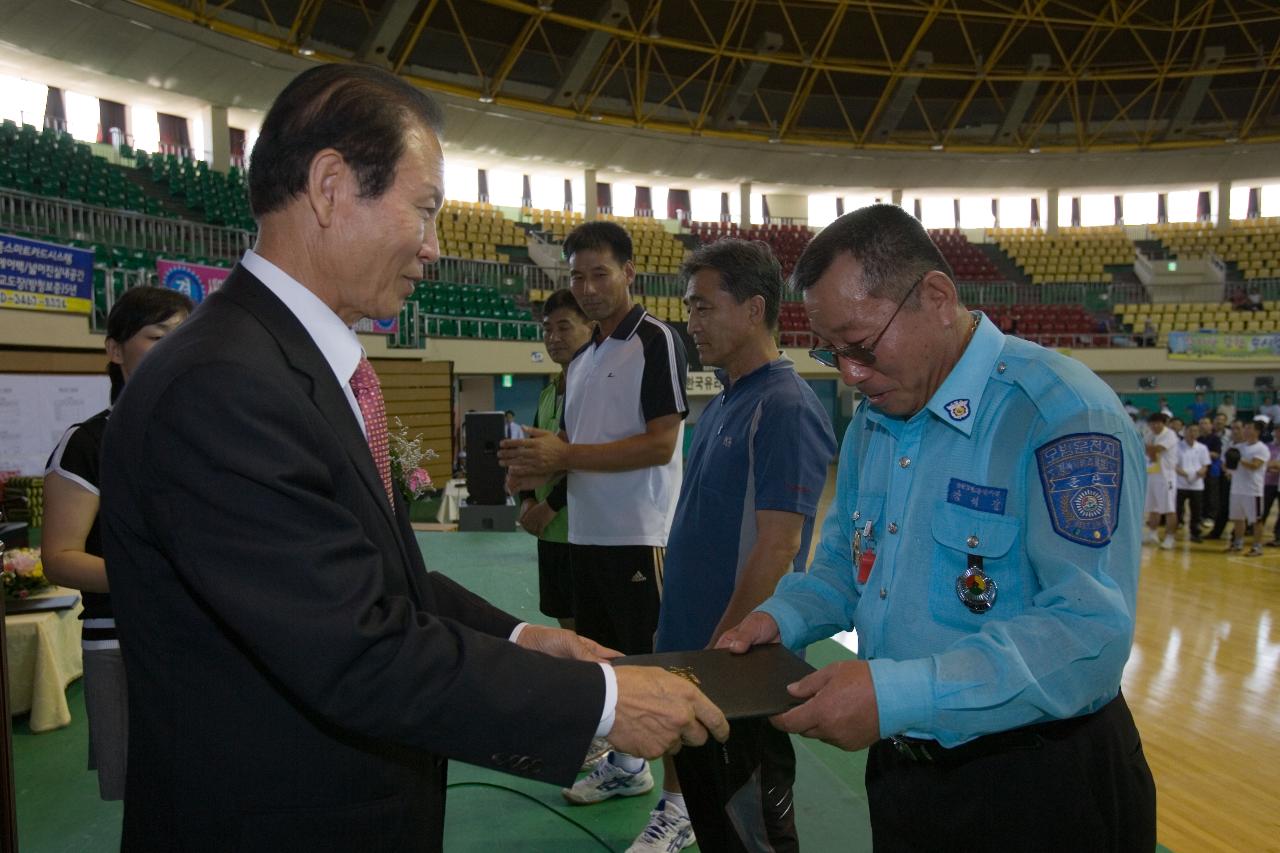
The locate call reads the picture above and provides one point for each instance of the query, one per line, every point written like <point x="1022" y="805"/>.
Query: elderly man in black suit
<point x="297" y="678"/>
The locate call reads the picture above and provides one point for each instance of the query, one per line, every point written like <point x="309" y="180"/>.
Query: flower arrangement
<point x="407" y="457"/>
<point x="23" y="573"/>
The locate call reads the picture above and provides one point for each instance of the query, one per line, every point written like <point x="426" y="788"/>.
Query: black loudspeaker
<point x="486" y="479"/>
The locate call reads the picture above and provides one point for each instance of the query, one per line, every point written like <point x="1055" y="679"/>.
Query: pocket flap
<point x="867" y="507"/>
<point x="972" y="531"/>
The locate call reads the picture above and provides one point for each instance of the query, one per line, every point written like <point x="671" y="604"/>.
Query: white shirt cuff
<point x="609" y="711"/>
<point x="610" y="690"/>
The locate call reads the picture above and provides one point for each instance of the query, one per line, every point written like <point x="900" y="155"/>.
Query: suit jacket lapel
<point x="305" y="357"/>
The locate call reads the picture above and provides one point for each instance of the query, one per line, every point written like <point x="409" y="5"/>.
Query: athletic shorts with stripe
<point x="617" y="592"/>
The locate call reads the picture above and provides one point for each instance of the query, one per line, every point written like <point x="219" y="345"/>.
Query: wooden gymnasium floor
<point x="1202" y="683"/>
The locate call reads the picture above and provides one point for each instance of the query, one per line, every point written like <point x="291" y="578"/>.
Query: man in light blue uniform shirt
<point x="984" y="543"/>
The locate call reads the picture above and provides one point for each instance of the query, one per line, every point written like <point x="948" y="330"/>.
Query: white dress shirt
<point x="1191" y="458"/>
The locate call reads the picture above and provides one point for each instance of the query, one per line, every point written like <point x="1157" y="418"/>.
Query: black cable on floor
<point x="533" y="799"/>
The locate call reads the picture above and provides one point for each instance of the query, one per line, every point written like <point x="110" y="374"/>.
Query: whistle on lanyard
<point x="864" y="550"/>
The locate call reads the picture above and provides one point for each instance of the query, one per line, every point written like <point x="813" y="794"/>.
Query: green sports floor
<point x="59" y="810"/>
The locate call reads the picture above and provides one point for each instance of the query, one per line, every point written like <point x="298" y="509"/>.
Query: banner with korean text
<point x="199" y="280"/>
<point x="39" y="276"/>
<point x="1214" y="345"/>
<point x="195" y="280"/>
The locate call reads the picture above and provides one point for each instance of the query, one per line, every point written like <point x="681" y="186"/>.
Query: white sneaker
<point x="668" y="831"/>
<point x="609" y="780"/>
<point x="1150" y="537"/>
<point x="598" y="749"/>
<point x="1167" y="544"/>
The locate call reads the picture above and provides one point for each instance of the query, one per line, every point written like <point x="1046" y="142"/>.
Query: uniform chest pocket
<point x="964" y="537"/>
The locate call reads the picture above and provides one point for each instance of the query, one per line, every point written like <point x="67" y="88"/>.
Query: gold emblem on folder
<point x="685" y="672"/>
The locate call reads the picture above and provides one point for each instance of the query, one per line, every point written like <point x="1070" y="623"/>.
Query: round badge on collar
<point x="958" y="410"/>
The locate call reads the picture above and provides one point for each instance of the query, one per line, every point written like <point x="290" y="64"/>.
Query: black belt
<point x="921" y="751"/>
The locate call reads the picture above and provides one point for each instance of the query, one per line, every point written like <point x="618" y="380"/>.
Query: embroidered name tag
<point x="982" y="498"/>
<point x="1081" y="475"/>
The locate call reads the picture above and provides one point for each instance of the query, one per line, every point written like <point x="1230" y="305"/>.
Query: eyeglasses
<point x="857" y="353"/>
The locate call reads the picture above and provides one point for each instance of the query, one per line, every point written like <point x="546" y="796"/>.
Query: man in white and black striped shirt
<point x="623" y="419"/>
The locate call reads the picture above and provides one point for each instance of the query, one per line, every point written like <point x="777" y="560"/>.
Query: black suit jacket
<point x="296" y="676"/>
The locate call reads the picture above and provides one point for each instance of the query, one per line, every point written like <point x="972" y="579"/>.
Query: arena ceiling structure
<point x="888" y="93"/>
<point x="967" y="75"/>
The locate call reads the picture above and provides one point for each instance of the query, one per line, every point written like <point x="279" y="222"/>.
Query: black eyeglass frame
<point x="857" y="353"/>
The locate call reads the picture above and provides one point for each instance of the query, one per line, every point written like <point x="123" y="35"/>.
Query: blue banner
<point x="38" y="276"/>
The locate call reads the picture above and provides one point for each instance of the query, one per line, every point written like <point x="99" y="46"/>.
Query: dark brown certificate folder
<point x="748" y="685"/>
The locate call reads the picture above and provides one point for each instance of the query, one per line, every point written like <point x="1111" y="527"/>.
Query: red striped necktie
<point x="368" y="391"/>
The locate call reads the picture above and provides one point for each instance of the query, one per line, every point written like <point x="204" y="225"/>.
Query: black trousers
<point x="1221" y="503"/>
<point x="739" y="792"/>
<point x="1210" y="506"/>
<point x="555" y="580"/>
<point x="1270" y="495"/>
<point x="1068" y="786"/>
<point x="1194" y="499"/>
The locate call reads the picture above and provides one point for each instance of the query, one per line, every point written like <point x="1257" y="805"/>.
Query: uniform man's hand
<point x="658" y="712"/>
<point x="757" y="629"/>
<point x="841" y="708"/>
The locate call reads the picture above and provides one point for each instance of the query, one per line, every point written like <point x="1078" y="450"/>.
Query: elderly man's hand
<point x="560" y="643"/>
<point x="658" y="712"/>
<point x="841" y="708"/>
<point x="542" y="454"/>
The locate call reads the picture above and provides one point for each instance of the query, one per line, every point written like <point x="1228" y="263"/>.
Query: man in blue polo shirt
<point x="755" y="472"/>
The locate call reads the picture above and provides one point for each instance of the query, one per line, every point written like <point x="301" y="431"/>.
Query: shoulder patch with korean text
<point x="1080" y="475"/>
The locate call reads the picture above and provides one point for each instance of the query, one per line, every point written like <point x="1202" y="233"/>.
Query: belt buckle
<point x="917" y="752"/>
